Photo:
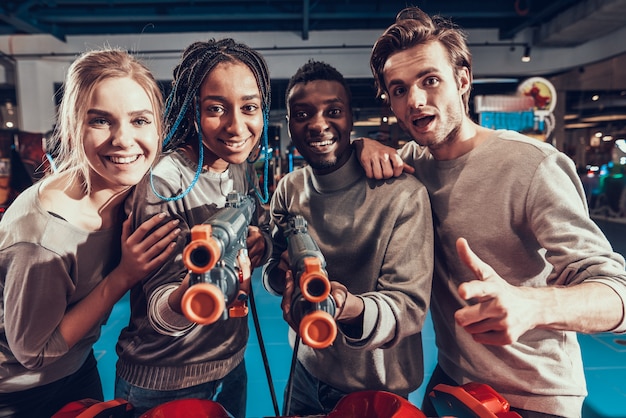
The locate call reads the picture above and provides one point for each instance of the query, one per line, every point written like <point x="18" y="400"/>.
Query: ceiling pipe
<point x="305" y="20"/>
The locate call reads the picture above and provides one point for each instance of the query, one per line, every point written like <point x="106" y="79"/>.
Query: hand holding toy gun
<point x="312" y="306"/>
<point x="211" y="257"/>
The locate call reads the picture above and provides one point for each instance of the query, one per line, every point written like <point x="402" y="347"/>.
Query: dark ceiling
<point x="553" y="23"/>
<point x="62" y="18"/>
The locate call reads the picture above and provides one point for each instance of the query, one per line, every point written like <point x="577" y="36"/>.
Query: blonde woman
<point x="62" y="263"/>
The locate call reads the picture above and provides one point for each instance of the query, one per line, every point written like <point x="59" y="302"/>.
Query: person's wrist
<point x="353" y="309"/>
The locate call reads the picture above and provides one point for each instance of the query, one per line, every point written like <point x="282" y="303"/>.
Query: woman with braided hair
<point x="215" y="119"/>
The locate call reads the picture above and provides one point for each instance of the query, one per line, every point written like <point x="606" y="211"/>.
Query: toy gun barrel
<point x="315" y="320"/>
<point x="312" y="308"/>
<point x="211" y="257"/>
<point x="203" y="303"/>
<point x="220" y="234"/>
<point x="307" y="261"/>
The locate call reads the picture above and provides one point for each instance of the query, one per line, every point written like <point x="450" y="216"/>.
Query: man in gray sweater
<point x="376" y="237"/>
<point x="520" y="266"/>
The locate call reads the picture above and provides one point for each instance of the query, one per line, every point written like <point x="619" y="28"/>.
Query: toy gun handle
<point x="211" y="257"/>
<point x="307" y="261"/>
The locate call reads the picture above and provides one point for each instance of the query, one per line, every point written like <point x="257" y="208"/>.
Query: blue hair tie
<point x="198" y="170"/>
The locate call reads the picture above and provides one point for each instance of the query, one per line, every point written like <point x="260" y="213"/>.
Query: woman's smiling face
<point x="231" y="114"/>
<point x="121" y="138"/>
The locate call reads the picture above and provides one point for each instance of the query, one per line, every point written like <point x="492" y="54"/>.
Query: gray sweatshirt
<point x="46" y="266"/>
<point x="160" y="349"/>
<point x="376" y="237"/>
<point x="521" y="206"/>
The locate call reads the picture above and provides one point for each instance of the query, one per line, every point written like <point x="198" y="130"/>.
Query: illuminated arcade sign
<point x="529" y="111"/>
<point x="542" y="93"/>
<point x="515" y="121"/>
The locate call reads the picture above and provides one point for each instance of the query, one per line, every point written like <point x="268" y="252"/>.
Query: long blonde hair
<point x="83" y="76"/>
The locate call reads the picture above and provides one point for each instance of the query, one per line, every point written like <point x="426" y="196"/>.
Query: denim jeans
<point x="230" y="392"/>
<point x="310" y="396"/>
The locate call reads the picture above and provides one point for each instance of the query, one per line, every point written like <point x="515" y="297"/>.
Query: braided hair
<point x="181" y="106"/>
<point x="197" y="62"/>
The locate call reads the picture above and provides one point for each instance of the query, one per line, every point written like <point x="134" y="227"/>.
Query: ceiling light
<point x="526" y="56"/>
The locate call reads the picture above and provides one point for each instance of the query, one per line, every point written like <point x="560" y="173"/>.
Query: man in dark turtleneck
<point x="377" y="241"/>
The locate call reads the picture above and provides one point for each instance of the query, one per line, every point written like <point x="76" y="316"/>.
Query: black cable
<point x="294" y="358"/>
<point x="257" y="327"/>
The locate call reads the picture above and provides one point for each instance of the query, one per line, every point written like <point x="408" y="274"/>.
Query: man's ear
<point x="288" y="128"/>
<point x="464" y="80"/>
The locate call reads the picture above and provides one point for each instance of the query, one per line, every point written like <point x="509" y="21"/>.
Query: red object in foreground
<point x="188" y="408"/>
<point x="371" y="404"/>
<point x="91" y="408"/>
<point x="471" y="400"/>
<point x="375" y="404"/>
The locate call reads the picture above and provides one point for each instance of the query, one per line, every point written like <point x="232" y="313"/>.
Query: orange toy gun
<point x="307" y="261"/>
<point x="312" y="306"/>
<point x="211" y="258"/>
